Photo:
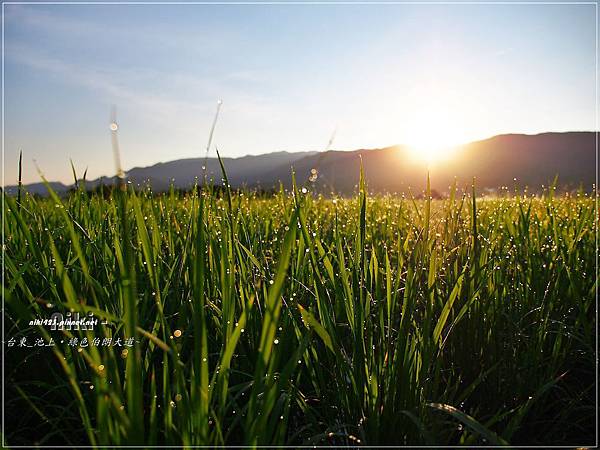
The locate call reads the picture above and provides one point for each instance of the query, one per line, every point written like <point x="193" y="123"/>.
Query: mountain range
<point x="500" y="161"/>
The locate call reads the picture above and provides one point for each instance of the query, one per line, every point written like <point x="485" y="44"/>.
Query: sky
<point x="289" y="77"/>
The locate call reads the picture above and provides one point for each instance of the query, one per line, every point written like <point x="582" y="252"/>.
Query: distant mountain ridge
<point x="503" y="160"/>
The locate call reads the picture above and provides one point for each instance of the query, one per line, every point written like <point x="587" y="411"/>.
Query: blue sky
<point x="288" y="76"/>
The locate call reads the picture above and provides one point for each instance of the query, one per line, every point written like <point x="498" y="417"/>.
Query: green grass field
<point x="300" y="320"/>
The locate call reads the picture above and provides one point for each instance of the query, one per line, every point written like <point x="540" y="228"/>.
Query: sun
<point x="433" y="134"/>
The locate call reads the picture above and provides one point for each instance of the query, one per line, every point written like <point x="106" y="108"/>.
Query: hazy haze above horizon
<point x="288" y="76"/>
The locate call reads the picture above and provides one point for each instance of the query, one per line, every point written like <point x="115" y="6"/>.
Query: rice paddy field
<point x="294" y="319"/>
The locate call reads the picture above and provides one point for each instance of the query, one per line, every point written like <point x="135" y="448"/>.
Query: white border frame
<point x="309" y="2"/>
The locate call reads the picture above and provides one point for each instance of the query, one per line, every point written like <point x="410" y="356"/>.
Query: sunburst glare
<point x="434" y="134"/>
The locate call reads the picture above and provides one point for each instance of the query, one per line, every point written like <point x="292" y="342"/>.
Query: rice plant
<point x="301" y="320"/>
